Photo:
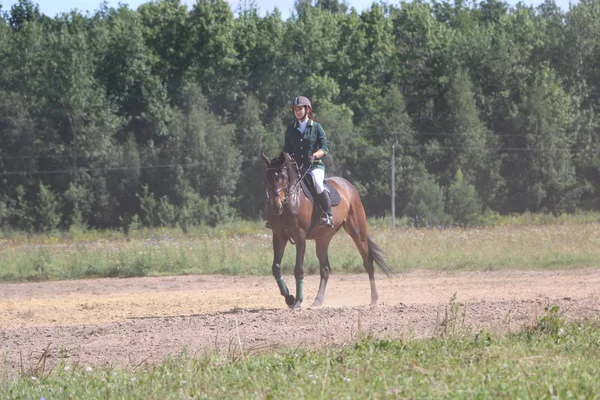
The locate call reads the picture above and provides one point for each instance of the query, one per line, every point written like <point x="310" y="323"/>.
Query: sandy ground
<point x="141" y="321"/>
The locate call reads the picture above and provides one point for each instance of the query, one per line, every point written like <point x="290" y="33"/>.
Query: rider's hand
<point x="311" y="158"/>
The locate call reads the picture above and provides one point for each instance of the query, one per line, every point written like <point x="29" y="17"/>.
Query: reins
<point x="290" y="189"/>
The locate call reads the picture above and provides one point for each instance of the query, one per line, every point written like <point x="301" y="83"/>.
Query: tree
<point x="211" y="28"/>
<point x="345" y="141"/>
<point x="23" y="12"/>
<point x="205" y="148"/>
<point x="125" y="71"/>
<point x="249" y="142"/>
<point x="491" y="11"/>
<point x="388" y="124"/>
<point x="262" y="69"/>
<point x="467" y="143"/>
<point x="463" y="203"/>
<point x="47" y="205"/>
<point x="166" y="34"/>
<point x="542" y="175"/>
<point x="426" y="205"/>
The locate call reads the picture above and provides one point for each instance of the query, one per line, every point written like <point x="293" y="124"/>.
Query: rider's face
<point x="299" y="112"/>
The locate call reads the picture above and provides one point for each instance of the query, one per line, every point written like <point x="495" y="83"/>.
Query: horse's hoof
<point x="297" y="305"/>
<point x="290" y="300"/>
<point x="317" y="304"/>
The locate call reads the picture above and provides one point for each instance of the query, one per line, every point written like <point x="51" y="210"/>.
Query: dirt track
<point x="139" y="321"/>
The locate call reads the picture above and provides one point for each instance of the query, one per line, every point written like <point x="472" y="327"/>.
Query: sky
<point x="53" y="7"/>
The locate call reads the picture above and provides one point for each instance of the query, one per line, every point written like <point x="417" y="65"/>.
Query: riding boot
<point x="325" y="203"/>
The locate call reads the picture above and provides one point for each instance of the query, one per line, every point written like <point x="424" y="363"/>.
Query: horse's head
<point x="279" y="178"/>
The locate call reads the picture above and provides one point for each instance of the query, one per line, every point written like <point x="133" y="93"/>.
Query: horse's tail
<point x="376" y="255"/>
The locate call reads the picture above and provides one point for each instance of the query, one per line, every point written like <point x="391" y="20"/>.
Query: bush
<point x="47" y="216"/>
<point x="221" y="212"/>
<point x="426" y="206"/>
<point x="463" y="203"/>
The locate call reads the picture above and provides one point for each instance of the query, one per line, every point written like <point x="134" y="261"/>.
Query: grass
<point x="246" y="249"/>
<point x="552" y="359"/>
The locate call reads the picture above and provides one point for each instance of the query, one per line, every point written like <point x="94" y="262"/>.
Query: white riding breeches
<point x="318" y="175"/>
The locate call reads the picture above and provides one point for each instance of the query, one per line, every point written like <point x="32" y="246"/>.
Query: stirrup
<point x="327" y="220"/>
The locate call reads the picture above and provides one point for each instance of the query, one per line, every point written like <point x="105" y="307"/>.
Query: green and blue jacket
<point x="301" y="145"/>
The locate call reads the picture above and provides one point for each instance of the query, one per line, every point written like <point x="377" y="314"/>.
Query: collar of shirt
<point x="301" y="126"/>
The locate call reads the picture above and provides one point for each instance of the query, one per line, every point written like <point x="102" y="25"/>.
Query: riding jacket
<point x="301" y="145"/>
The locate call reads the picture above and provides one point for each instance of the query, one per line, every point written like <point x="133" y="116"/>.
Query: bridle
<point x="290" y="190"/>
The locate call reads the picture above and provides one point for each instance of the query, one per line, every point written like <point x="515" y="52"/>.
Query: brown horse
<point x="290" y="217"/>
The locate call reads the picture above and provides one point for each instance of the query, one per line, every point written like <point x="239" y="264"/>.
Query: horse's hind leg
<point x="357" y="229"/>
<point x="322" y="245"/>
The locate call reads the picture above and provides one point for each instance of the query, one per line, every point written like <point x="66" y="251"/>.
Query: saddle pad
<point x="308" y="188"/>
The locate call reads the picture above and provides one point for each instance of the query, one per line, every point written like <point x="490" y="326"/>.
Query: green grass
<point x="552" y="359"/>
<point x="246" y="249"/>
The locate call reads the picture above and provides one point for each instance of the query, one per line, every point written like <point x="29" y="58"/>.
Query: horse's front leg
<point x="278" y="249"/>
<point x="299" y="272"/>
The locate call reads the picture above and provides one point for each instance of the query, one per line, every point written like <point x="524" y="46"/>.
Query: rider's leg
<point x="322" y="196"/>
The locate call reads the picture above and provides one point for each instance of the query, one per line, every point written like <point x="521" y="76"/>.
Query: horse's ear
<point x="265" y="158"/>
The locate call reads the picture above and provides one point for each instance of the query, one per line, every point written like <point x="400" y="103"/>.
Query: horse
<point x="291" y="219"/>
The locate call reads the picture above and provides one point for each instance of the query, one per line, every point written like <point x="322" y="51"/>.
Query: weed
<point x="453" y="323"/>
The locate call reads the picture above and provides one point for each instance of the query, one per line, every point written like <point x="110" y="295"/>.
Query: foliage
<point x="463" y="203"/>
<point x="172" y="103"/>
<point x="427" y="206"/>
<point x="242" y="247"/>
<point x="472" y="366"/>
<point x="47" y="217"/>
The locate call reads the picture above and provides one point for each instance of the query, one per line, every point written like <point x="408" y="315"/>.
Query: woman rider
<point x="306" y="142"/>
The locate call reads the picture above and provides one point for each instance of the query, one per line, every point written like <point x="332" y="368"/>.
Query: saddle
<point x="308" y="187"/>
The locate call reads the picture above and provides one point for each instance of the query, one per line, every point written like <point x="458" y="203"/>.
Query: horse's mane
<point x="285" y="160"/>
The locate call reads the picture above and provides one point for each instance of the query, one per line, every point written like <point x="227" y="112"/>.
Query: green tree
<point x="166" y="34"/>
<point x="148" y="206"/>
<point x="389" y="124"/>
<point x="262" y="67"/>
<point x="542" y="177"/>
<point x="125" y="71"/>
<point x="205" y="147"/>
<point x="345" y="141"/>
<point x="333" y="6"/>
<point x="463" y="204"/>
<point x="422" y="62"/>
<point x="22" y="12"/>
<point x="373" y="61"/>
<point x="194" y="210"/>
<point x="249" y="142"/>
<point x="467" y="143"/>
<point x="211" y="29"/>
<point x="426" y="205"/>
<point x="578" y="67"/>
<point x="586" y="160"/>
<point x="47" y="216"/>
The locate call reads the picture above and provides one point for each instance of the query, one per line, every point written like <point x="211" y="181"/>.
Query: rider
<point x="306" y="142"/>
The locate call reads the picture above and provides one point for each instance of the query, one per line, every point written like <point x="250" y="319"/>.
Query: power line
<point x="418" y="145"/>
<point x="71" y="171"/>
<point x="35" y="156"/>
<point x="196" y="164"/>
